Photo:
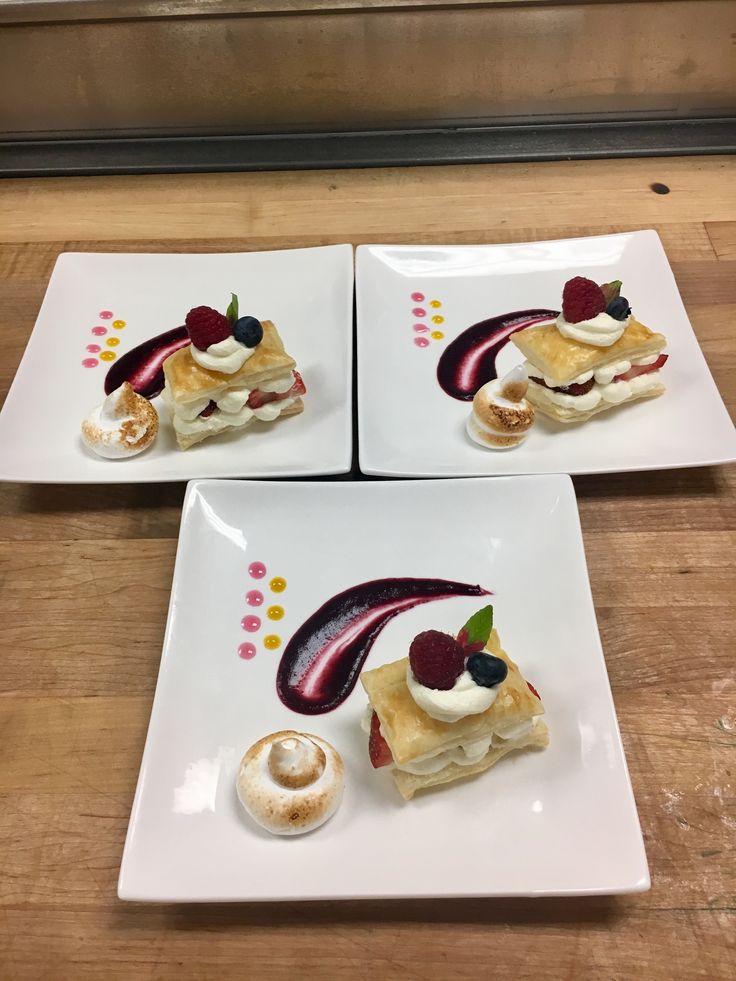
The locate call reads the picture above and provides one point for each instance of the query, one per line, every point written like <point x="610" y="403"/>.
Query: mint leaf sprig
<point x="232" y="310"/>
<point x="611" y="290"/>
<point x="473" y="637"/>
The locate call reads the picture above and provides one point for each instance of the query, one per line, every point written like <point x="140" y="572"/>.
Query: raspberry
<point x="378" y="749"/>
<point x="582" y="299"/>
<point x="206" y="326"/>
<point x="533" y="690"/>
<point x="436" y="659"/>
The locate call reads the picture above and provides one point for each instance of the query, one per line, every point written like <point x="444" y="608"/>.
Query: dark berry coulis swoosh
<point x="321" y="663"/>
<point x="469" y="361"/>
<point x="142" y="366"/>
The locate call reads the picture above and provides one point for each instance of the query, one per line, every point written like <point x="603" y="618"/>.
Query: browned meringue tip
<point x="132" y="428"/>
<point x="505" y="420"/>
<point x="290" y="782"/>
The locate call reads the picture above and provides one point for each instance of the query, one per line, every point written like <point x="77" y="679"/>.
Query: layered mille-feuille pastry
<point x="595" y="356"/>
<point x="451" y="709"/>
<point x="235" y="371"/>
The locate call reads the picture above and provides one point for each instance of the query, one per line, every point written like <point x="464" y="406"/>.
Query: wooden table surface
<point x="78" y="673"/>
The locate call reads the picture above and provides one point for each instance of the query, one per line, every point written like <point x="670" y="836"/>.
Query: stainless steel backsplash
<point x="99" y="67"/>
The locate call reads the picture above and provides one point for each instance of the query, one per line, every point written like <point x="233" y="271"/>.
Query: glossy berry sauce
<point x="469" y="361"/>
<point x="321" y="663"/>
<point x="142" y="366"/>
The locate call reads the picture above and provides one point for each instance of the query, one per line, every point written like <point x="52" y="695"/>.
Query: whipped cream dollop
<point x="123" y="425"/>
<point x="501" y="416"/>
<point x="467" y="754"/>
<point x="600" y="331"/>
<point x="290" y="782"/>
<point x="464" y="698"/>
<point x="226" y="356"/>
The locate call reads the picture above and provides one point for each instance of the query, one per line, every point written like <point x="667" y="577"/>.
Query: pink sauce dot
<point x="417" y="297"/>
<point x="99" y="331"/>
<point x="105" y="314"/>
<point x="421" y="328"/>
<point x="93" y="348"/>
<point x="419" y="312"/>
<point x="254" y="597"/>
<point x="90" y="363"/>
<point x="257" y="570"/>
<point x="251" y="624"/>
<point x="247" y="651"/>
<point x="421" y="342"/>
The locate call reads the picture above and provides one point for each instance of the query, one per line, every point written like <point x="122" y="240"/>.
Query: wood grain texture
<point x="77" y="681"/>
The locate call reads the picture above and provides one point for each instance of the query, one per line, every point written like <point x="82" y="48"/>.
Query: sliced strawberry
<point x="642" y="369"/>
<point x="377" y="746"/>
<point x="208" y="409"/>
<point x="298" y="388"/>
<point x="256" y="399"/>
<point x="533" y="690"/>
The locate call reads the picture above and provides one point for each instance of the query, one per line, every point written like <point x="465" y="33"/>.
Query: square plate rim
<point x="564" y="482"/>
<point x="374" y="470"/>
<point x="337" y="469"/>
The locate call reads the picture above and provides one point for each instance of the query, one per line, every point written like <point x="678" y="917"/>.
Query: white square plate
<point x="409" y="427"/>
<point x="558" y="822"/>
<point x="307" y="293"/>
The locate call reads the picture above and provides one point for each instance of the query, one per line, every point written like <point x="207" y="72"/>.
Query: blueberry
<point x="248" y="331"/>
<point x="618" y="308"/>
<point x="487" y="670"/>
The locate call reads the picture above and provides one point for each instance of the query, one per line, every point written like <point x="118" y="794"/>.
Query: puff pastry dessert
<point x="432" y="736"/>
<point x="595" y="356"/>
<point x="235" y="371"/>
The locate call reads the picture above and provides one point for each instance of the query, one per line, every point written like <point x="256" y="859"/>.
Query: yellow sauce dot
<point x="277" y="584"/>
<point x="108" y="355"/>
<point x="113" y="341"/>
<point x="435" y="303"/>
<point x="275" y="612"/>
<point x="271" y="641"/>
<point x="438" y="320"/>
<point x="437" y="334"/>
<point x="118" y="324"/>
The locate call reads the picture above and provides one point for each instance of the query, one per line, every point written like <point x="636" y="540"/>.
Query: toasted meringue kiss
<point x="123" y="425"/>
<point x="290" y="782"/>
<point x="501" y="415"/>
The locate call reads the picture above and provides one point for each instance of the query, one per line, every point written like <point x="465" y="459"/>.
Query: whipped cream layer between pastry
<point x="465" y="754"/>
<point x="123" y="425"/>
<point x="290" y="782"/>
<point x="611" y="392"/>
<point x="501" y="415"/>
<point x="233" y="411"/>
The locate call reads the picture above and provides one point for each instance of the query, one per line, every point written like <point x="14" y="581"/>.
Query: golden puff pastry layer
<point x="561" y="360"/>
<point x="412" y="735"/>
